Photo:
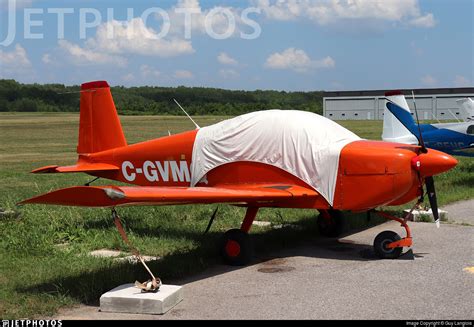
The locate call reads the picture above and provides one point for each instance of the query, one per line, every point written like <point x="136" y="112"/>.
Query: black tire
<point x="381" y="242"/>
<point x="332" y="227"/>
<point x="236" y="248"/>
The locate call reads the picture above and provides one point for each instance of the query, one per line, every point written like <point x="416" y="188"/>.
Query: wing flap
<point x="112" y="196"/>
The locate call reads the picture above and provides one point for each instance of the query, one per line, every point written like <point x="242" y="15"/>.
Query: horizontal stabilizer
<point x="112" y="196"/>
<point x="79" y="168"/>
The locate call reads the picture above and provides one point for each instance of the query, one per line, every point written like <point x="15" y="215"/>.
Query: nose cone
<point x="434" y="163"/>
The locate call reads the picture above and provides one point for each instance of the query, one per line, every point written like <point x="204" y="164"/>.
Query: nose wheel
<point x="388" y="244"/>
<point x="382" y="242"/>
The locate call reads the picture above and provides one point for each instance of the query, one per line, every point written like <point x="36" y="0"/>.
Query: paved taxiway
<point x="335" y="279"/>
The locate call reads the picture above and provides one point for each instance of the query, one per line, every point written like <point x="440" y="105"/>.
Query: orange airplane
<point x="274" y="158"/>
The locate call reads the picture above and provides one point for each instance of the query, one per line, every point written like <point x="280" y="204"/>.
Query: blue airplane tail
<point x="451" y="139"/>
<point x="398" y="107"/>
<point x="404" y="117"/>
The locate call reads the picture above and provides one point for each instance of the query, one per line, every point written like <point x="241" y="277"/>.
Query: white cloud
<point x="136" y="38"/>
<point x="429" y="80"/>
<point x="426" y="21"/>
<point x="225" y="59"/>
<point x="217" y="20"/>
<point x="329" y="12"/>
<point x="183" y="74"/>
<point x="114" y="39"/>
<point x="229" y="73"/>
<point x="15" y="64"/>
<point x="297" y="60"/>
<point x="461" y="81"/>
<point x="46" y="59"/>
<point x="147" y="71"/>
<point x="16" y="58"/>
<point x="83" y="56"/>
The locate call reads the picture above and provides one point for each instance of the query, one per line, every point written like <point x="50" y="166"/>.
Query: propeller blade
<point x="430" y="188"/>
<point x="422" y="143"/>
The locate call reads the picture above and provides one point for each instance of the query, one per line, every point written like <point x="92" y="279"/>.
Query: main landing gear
<point x="331" y="223"/>
<point x="388" y="244"/>
<point x="236" y="246"/>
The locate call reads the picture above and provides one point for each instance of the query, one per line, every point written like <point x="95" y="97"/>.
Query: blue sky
<point x="299" y="45"/>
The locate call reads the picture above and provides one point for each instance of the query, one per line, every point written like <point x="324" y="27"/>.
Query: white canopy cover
<point x="304" y="144"/>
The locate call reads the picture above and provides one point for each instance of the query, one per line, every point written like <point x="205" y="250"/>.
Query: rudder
<point x="468" y="106"/>
<point x="393" y="129"/>
<point x="99" y="125"/>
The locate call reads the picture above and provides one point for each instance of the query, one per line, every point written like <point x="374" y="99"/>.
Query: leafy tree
<point x="148" y="100"/>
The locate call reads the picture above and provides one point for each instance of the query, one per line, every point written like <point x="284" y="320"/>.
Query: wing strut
<point x="211" y="221"/>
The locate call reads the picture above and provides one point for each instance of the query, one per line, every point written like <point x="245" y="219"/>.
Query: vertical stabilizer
<point x="99" y="126"/>
<point x="393" y="129"/>
<point x="468" y="106"/>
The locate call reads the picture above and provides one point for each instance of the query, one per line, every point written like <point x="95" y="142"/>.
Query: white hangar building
<point x="432" y="104"/>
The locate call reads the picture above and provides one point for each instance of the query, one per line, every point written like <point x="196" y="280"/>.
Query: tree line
<point x="148" y="100"/>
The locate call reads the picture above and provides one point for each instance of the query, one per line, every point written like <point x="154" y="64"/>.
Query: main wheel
<point x="382" y="241"/>
<point x="236" y="247"/>
<point x="331" y="223"/>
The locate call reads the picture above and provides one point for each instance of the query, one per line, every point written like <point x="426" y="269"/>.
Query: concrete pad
<point x="292" y="226"/>
<point x="417" y="214"/>
<point x="134" y="259"/>
<point x="62" y="245"/>
<point x="129" y="299"/>
<point x="9" y="214"/>
<point x="105" y="253"/>
<point x="261" y="223"/>
<point x="121" y="256"/>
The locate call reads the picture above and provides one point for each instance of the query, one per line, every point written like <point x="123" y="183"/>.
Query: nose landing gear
<point x="388" y="244"/>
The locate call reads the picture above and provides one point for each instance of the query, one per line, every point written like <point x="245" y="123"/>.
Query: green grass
<point x="37" y="276"/>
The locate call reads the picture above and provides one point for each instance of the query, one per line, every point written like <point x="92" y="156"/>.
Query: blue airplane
<point x="399" y="126"/>
<point x="468" y="106"/>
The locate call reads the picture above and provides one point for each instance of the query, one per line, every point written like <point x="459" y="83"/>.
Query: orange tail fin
<point x="99" y="126"/>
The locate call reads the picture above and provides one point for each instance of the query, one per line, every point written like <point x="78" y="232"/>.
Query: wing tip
<point x="45" y="170"/>
<point x="79" y="196"/>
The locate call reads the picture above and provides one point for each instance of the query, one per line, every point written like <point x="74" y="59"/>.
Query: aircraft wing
<point x="113" y="196"/>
